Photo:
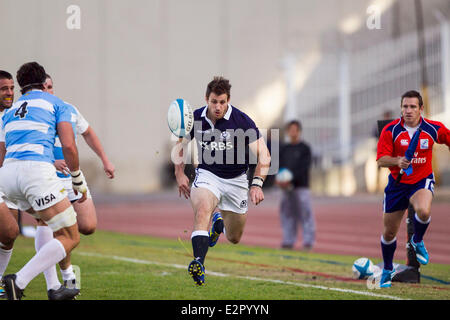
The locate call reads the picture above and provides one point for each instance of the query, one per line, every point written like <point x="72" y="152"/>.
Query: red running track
<point x="350" y="226"/>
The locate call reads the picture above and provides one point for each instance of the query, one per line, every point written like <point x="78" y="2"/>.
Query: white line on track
<point x="219" y="274"/>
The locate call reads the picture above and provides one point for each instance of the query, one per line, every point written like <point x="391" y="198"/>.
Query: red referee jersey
<point x="394" y="141"/>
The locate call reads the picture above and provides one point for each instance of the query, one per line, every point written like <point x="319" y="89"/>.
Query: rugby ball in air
<point x="180" y="118"/>
<point x="284" y="175"/>
<point x="362" y="268"/>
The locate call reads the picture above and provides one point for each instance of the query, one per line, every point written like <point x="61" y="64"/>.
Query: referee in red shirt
<point x="418" y="187"/>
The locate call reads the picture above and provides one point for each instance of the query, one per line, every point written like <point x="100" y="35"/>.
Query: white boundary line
<point x="219" y="274"/>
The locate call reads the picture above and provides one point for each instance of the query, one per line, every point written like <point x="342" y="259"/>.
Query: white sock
<point x="5" y="256"/>
<point x="49" y="255"/>
<point x="44" y="234"/>
<point x="68" y="274"/>
<point x="388" y="242"/>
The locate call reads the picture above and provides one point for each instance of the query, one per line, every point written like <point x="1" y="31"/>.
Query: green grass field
<point x="127" y="267"/>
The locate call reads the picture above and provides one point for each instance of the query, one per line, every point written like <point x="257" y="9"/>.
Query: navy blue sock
<point x="419" y="228"/>
<point x="388" y="250"/>
<point x="200" y="245"/>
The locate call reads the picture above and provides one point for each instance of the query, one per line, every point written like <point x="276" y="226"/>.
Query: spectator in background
<point x="296" y="199"/>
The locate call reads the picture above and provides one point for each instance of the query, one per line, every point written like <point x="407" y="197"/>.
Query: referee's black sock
<point x="388" y="249"/>
<point x="200" y="244"/>
<point x="420" y="227"/>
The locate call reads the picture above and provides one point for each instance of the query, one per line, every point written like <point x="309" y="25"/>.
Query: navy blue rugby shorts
<point x="396" y="197"/>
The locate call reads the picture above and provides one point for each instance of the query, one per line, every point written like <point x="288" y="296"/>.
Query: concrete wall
<point x="130" y="59"/>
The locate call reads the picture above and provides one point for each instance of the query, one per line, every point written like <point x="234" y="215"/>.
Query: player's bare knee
<point x="234" y="238"/>
<point x="8" y="237"/>
<point x="87" y="229"/>
<point x="423" y="213"/>
<point x="389" y="235"/>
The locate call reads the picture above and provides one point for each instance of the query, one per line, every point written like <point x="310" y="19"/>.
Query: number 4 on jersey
<point x="21" y="111"/>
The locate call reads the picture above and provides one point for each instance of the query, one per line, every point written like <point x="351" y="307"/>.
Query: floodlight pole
<point x="344" y="107"/>
<point x="421" y="53"/>
<point x="411" y="259"/>
<point x="288" y="63"/>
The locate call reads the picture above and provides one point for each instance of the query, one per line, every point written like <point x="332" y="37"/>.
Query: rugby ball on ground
<point x="180" y="118"/>
<point x="362" y="268"/>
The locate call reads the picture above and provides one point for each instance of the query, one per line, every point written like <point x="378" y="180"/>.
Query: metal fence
<point x="349" y="91"/>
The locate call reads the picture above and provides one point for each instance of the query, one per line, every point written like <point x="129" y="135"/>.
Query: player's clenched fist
<point x="256" y="195"/>
<point x="403" y="162"/>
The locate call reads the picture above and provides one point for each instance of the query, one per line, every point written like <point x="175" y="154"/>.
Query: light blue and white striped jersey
<point x="79" y="126"/>
<point x="28" y="128"/>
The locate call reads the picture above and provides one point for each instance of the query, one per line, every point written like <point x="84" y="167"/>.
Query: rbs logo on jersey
<point x="216" y="146"/>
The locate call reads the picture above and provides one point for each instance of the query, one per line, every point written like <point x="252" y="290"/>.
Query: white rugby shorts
<point x="231" y="193"/>
<point x="31" y="184"/>
<point x="8" y="203"/>
<point x="11" y="205"/>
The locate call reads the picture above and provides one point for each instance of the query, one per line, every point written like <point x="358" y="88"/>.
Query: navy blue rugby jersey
<point x="223" y="147"/>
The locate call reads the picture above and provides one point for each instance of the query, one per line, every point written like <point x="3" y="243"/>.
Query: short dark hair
<point x="219" y="85"/>
<point x="5" y="75"/>
<point x="31" y="75"/>
<point x="412" y="94"/>
<point x="47" y="76"/>
<point x="294" y="123"/>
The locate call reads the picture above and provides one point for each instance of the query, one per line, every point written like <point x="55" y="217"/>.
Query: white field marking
<point x="219" y="274"/>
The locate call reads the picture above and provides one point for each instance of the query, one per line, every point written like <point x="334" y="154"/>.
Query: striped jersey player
<point x="418" y="187"/>
<point x="28" y="177"/>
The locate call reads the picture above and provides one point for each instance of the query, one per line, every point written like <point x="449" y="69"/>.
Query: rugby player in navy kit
<point x="223" y="133"/>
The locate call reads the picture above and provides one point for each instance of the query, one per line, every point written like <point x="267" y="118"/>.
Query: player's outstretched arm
<point x="70" y="152"/>
<point x="182" y="179"/>
<point x="259" y="148"/>
<point x="94" y="143"/>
